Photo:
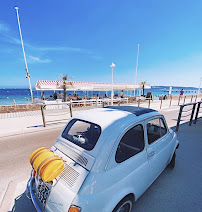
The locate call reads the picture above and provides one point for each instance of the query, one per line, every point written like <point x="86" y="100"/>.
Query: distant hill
<point x="173" y="87"/>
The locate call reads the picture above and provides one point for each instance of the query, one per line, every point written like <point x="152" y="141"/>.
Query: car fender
<point x="175" y="146"/>
<point x="117" y="198"/>
<point x="176" y="142"/>
<point x="87" y="203"/>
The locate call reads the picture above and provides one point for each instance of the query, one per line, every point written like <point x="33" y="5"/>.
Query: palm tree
<point x="66" y="82"/>
<point x="143" y="84"/>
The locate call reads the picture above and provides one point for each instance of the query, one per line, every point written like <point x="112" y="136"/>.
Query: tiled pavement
<point x="19" y="114"/>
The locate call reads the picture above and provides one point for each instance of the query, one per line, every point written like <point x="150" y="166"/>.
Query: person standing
<point x="121" y="94"/>
<point x="60" y="95"/>
<point x="181" y="92"/>
<point x="42" y="96"/>
<point x="55" y="96"/>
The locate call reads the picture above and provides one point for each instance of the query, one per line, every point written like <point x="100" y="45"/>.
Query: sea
<point x="22" y="95"/>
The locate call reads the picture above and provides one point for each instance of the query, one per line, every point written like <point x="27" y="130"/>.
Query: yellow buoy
<point x="52" y="170"/>
<point x="40" y="159"/>
<point x="46" y="164"/>
<point x="36" y="152"/>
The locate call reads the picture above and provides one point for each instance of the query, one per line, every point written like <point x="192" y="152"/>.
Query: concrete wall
<point x="18" y="108"/>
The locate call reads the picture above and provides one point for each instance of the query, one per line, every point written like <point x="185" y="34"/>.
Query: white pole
<point x="30" y="87"/>
<point x="112" y="66"/>
<point x="199" y="89"/>
<point x="136" y="65"/>
<point x="112" y="89"/>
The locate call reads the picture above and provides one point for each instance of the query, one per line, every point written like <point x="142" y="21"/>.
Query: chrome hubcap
<point x="126" y="207"/>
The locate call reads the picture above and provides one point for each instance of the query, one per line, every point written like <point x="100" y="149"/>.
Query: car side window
<point x="163" y="127"/>
<point x="131" y="143"/>
<point x="156" y="129"/>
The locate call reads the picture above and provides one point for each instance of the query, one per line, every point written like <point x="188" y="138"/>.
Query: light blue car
<point x="112" y="155"/>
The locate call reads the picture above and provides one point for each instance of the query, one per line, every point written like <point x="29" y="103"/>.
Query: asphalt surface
<point x="15" y="152"/>
<point x="179" y="189"/>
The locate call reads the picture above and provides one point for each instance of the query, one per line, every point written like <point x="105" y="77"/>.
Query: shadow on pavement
<point x="178" y="189"/>
<point x="23" y="204"/>
<point x="50" y="124"/>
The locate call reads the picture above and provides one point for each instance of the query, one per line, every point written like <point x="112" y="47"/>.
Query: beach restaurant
<point x="45" y="85"/>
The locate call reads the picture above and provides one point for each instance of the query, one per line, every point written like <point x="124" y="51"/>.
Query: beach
<point x="22" y="95"/>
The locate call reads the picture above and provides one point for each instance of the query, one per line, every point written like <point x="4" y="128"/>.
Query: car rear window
<point x="82" y="133"/>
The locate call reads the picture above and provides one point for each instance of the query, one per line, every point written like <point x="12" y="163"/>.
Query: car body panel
<point x="159" y="152"/>
<point x="93" y="180"/>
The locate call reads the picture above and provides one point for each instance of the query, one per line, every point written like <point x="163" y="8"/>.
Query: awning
<point x="85" y="86"/>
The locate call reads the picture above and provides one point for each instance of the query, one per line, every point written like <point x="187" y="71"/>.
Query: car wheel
<point x="172" y="162"/>
<point x="124" y="206"/>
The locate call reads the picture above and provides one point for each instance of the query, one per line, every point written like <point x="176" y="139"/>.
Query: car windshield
<point x="82" y="133"/>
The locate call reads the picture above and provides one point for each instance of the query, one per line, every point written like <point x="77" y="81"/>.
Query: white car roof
<point x="109" y="115"/>
<point x="113" y="120"/>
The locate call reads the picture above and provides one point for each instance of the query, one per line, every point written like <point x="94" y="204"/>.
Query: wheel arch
<point x="176" y="146"/>
<point x="130" y="196"/>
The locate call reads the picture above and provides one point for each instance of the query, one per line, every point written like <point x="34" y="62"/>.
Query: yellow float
<point x="46" y="163"/>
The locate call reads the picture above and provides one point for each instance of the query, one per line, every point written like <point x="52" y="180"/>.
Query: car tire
<point x="172" y="162"/>
<point x="125" y="205"/>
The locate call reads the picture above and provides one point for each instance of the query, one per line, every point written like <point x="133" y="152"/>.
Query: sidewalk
<point x="31" y="121"/>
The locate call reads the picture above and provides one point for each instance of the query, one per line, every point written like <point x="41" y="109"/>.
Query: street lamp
<point x="28" y="75"/>
<point x="112" y="93"/>
<point x="136" y="66"/>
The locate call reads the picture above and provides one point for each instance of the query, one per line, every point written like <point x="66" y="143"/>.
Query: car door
<point x="131" y="155"/>
<point x="158" y="145"/>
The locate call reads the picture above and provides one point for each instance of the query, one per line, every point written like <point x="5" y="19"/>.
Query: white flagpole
<point x="136" y="65"/>
<point x="112" y="92"/>
<point x="28" y="76"/>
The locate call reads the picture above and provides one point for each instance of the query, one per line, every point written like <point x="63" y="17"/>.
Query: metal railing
<point x="198" y="112"/>
<point x="64" y="108"/>
<point x="45" y="112"/>
<point x="172" y="101"/>
<point x="193" y="98"/>
<point x="188" y="113"/>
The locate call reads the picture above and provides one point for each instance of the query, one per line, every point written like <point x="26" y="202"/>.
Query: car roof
<point x="111" y="114"/>
<point x="134" y="110"/>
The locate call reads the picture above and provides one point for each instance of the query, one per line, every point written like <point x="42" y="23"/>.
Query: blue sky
<point x="82" y="38"/>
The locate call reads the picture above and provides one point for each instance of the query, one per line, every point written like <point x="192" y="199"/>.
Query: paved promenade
<point x="22" y="122"/>
<point x="174" y="190"/>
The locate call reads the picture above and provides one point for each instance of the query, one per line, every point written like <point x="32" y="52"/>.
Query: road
<point x="15" y="152"/>
<point x="174" y="190"/>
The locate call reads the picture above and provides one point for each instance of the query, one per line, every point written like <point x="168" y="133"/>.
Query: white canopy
<point x="85" y="86"/>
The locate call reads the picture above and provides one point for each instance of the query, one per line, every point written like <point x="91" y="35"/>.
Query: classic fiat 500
<point x="111" y="156"/>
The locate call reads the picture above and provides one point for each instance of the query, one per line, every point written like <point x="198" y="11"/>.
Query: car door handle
<point x="152" y="154"/>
